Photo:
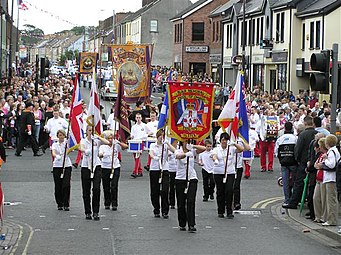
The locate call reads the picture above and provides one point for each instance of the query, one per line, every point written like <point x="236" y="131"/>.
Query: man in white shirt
<point x="65" y="109"/>
<point x="151" y="129"/>
<point x="138" y="132"/>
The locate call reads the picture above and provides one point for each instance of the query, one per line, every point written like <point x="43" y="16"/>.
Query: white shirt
<point x="254" y="118"/>
<point x="59" y="149"/>
<point x="205" y="158"/>
<point x="253" y="138"/>
<point x="331" y="162"/>
<point x="157" y="151"/>
<point x="221" y="156"/>
<point x="53" y="125"/>
<point x="86" y="159"/>
<point x="111" y="122"/>
<point x="139" y="131"/>
<point x="152" y="127"/>
<point x="65" y="110"/>
<point x="182" y="165"/>
<point x="172" y="162"/>
<point x="106" y="150"/>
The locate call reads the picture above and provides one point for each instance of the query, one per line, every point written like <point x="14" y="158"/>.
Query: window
<point x="198" y="33"/>
<point x="176" y="33"/>
<point x="245" y="33"/>
<point x="217" y="31"/>
<point x="282" y="26"/>
<point x="253" y="32"/>
<point x="258" y="75"/>
<point x="318" y="35"/>
<point x="303" y="37"/>
<point x="180" y="33"/>
<point x="153" y="26"/>
<point x="282" y="77"/>
<point x="261" y="28"/>
<point x="250" y="32"/>
<point x="278" y="16"/>
<point x="228" y="36"/>
<point x="257" y="32"/>
<point x="311" y="46"/>
<point x="213" y="31"/>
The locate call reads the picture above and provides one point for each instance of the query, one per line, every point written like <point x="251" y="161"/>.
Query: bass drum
<point x="269" y="127"/>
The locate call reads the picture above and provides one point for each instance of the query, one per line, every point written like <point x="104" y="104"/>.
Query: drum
<point x="269" y="127"/>
<point x="135" y="146"/>
<point x="148" y="142"/>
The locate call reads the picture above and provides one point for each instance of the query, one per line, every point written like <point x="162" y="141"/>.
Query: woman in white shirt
<point x="110" y="169"/>
<point x="90" y="159"/>
<point x="186" y="185"/>
<point x="61" y="178"/>
<point x="159" y="169"/>
<point x="223" y="183"/>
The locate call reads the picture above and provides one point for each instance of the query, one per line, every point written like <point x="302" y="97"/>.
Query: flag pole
<point x="113" y="152"/>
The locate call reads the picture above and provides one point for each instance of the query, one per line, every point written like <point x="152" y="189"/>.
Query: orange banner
<point x="133" y="61"/>
<point x="87" y="61"/>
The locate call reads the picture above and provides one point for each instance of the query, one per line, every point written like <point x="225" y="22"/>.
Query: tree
<point x="31" y="35"/>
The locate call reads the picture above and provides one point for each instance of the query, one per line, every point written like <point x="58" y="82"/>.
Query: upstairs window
<point x="318" y="35"/>
<point x="198" y="31"/>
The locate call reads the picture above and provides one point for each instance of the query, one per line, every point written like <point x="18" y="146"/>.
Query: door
<point x="272" y="80"/>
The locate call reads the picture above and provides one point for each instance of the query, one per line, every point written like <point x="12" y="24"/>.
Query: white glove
<point x="165" y="142"/>
<point x="156" y="157"/>
<point x="116" y="141"/>
<point x="232" y="143"/>
<point x="189" y="147"/>
<point x="87" y="152"/>
<point x="58" y="157"/>
<point x="216" y="162"/>
<point x="189" y="154"/>
<point x="29" y="132"/>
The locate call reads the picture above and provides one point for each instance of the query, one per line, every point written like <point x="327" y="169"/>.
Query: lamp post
<point x="9" y="78"/>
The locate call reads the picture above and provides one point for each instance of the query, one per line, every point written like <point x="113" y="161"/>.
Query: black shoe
<point x="172" y="207"/>
<point x="88" y="216"/>
<point x="139" y="175"/>
<point x="75" y="165"/>
<point x="230" y="216"/>
<point x="96" y="217"/>
<point x="107" y="207"/>
<point x="37" y="154"/>
<point x="205" y="199"/>
<point x="156" y="215"/>
<point x="146" y="168"/>
<point x="212" y="197"/>
<point x="192" y="229"/>
<point x="220" y="215"/>
<point x="165" y="216"/>
<point x="114" y="208"/>
<point x="307" y="214"/>
<point x="60" y="208"/>
<point x="133" y="175"/>
<point x="289" y="206"/>
<point x="237" y="207"/>
<point x="182" y="228"/>
<point x="18" y="155"/>
<point x="270" y="170"/>
<point x="43" y="149"/>
<point x="66" y="209"/>
<point x="263" y="170"/>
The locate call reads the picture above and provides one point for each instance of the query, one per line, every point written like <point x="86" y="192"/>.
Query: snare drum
<point x="148" y="142"/>
<point x="135" y="146"/>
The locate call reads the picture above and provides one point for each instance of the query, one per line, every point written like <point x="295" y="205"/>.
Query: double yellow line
<point x="264" y="203"/>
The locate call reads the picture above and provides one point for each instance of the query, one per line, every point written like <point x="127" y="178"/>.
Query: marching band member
<point x="138" y="132"/>
<point x="90" y="159"/>
<point x="172" y="173"/>
<point x="151" y="129"/>
<point x="186" y="186"/>
<point x="159" y="169"/>
<point x="61" y="176"/>
<point x="110" y="169"/>
<point x="207" y="171"/>
<point x="225" y="190"/>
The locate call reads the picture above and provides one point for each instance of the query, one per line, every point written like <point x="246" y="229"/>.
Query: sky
<point x="56" y="15"/>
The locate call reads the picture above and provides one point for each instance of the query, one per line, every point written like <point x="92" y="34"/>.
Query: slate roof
<point x="306" y="7"/>
<point x="138" y="13"/>
<point x="188" y="9"/>
<point x="223" y="7"/>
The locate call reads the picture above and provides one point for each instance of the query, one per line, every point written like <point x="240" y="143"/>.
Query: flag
<point x="164" y="112"/>
<point x="22" y="5"/>
<point x="75" y="118"/>
<point x="121" y="112"/>
<point x="2" y="203"/>
<point x="94" y="113"/>
<point x="243" y="119"/>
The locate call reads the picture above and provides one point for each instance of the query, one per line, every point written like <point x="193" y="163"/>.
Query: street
<point x="28" y="184"/>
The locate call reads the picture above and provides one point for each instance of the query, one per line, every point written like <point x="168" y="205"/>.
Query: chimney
<point x="145" y="2"/>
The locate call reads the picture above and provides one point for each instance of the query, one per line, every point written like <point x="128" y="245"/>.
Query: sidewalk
<point x="12" y="234"/>
<point x="292" y="217"/>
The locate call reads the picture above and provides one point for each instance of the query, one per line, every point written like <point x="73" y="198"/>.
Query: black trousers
<point x="25" y="139"/>
<point x="110" y="186"/>
<point x="96" y="189"/>
<point x="208" y="183"/>
<point x="62" y="186"/>
<point x="157" y="190"/>
<point x="224" y="192"/>
<point x="298" y="178"/>
<point x="186" y="202"/>
<point x="172" y="188"/>
<point x="310" y="194"/>
<point x="236" y="187"/>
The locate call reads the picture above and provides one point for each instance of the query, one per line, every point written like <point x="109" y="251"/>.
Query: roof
<point x="139" y="12"/>
<point x="224" y="7"/>
<point x="252" y="7"/>
<point x="310" y="7"/>
<point x="190" y="9"/>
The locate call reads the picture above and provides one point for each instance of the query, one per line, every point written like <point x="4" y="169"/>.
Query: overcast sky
<point x="51" y="15"/>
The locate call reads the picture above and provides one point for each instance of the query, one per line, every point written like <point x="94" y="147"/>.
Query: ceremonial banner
<point x="87" y="61"/>
<point x="133" y="62"/>
<point x="191" y="107"/>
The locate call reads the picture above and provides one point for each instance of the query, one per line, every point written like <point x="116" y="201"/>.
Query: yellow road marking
<point x="264" y="201"/>
<point x="270" y="202"/>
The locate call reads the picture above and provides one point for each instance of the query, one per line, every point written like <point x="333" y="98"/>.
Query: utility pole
<point x="10" y="48"/>
<point x="243" y="38"/>
<point x="334" y="87"/>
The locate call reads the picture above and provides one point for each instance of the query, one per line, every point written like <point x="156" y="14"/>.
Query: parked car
<point x="109" y="91"/>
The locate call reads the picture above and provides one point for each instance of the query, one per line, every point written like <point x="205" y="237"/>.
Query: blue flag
<point x="244" y="128"/>
<point x="164" y="112"/>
